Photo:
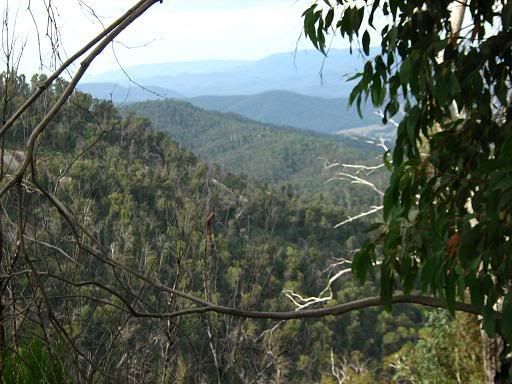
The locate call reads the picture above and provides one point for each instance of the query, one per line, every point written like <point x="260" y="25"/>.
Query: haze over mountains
<point x="292" y="109"/>
<point x="300" y="89"/>
<point x="127" y="94"/>
<point x="307" y="72"/>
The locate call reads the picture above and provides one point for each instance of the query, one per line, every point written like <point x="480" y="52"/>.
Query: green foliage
<point x="147" y="200"/>
<point x="448" y="351"/>
<point x="283" y="157"/>
<point x="291" y="109"/>
<point x="31" y="363"/>
<point x="447" y="219"/>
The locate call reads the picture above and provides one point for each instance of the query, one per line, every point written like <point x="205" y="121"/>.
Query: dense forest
<point x="159" y="242"/>
<point x="280" y="156"/>
<point x="292" y="109"/>
<point x="158" y="210"/>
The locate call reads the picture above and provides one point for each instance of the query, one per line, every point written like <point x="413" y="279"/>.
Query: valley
<point x="294" y="89"/>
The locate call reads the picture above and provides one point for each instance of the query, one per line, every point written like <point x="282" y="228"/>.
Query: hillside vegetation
<point x="292" y="109"/>
<point x="153" y="209"/>
<point x="325" y="115"/>
<point x="280" y="156"/>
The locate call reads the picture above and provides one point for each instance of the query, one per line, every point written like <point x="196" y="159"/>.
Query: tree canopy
<point x="111" y="234"/>
<point x="447" y="221"/>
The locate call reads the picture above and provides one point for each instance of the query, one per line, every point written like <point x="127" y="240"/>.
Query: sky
<point x="176" y="30"/>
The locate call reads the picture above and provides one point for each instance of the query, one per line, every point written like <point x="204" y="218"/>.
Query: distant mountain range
<point x="144" y="71"/>
<point x="282" y="89"/>
<point x="276" y="107"/>
<point x="119" y="94"/>
<point x="292" y="109"/>
<point x="306" y="72"/>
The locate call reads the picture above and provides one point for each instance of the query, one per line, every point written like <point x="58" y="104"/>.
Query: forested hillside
<point x="162" y="243"/>
<point x="318" y="114"/>
<point x="280" y="156"/>
<point x="157" y="216"/>
<point x="325" y="115"/>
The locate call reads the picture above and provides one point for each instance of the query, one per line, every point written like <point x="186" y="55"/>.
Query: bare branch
<point x="355" y="180"/>
<point x="392" y="121"/>
<point x="42" y="87"/>
<point x="335" y="310"/>
<point x="69" y="89"/>
<point x="372" y="210"/>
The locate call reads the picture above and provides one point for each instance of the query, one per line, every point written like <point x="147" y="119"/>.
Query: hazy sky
<point x="176" y="30"/>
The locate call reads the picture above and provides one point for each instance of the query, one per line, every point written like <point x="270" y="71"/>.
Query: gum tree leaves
<point x="447" y="224"/>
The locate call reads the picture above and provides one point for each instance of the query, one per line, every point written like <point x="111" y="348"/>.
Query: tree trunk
<point x="491" y="350"/>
